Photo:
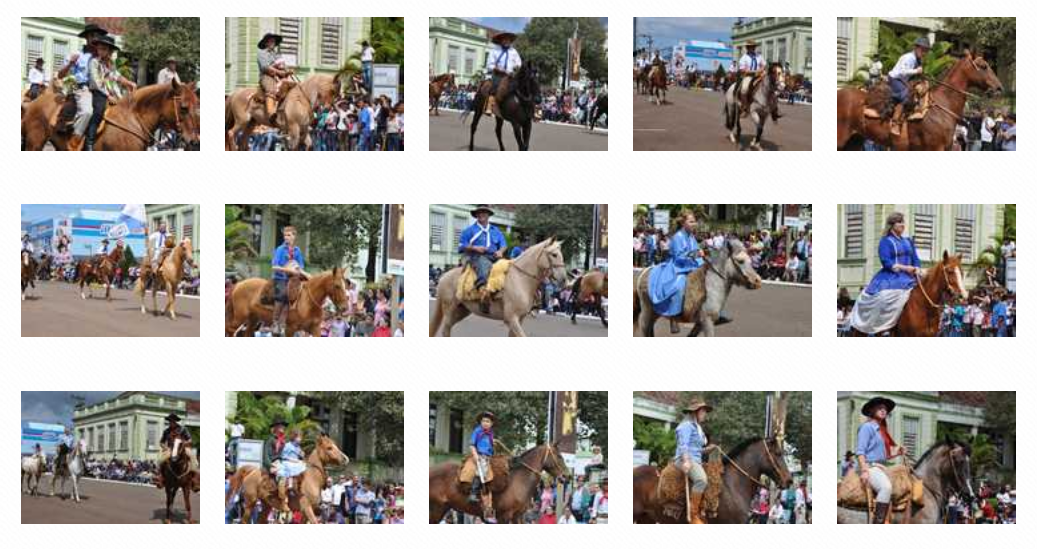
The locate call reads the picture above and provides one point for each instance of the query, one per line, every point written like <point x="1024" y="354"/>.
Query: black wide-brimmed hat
<point x="489" y="415"/>
<point x="278" y="421"/>
<point x="481" y="208"/>
<point x="277" y="38"/>
<point x="869" y="407"/>
<point x="91" y="28"/>
<point x="107" y="40"/>
<point x="497" y="38"/>
<point x="173" y="417"/>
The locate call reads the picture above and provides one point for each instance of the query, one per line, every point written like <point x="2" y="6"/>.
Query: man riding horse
<point x="752" y="69"/>
<point x="169" y="436"/>
<point x="160" y="244"/>
<point x="501" y="63"/>
<point x="287" y="264"/>
<point x="875" y="447"/>
<point x="909" y="65"/>
<point x="272" y="70"/>
<point x="273" y="446"/>
<point x="66" y="442"/>
<point x="482" y="243"/>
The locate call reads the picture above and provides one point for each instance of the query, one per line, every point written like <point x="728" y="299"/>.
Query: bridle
<point x="921" y="285"/>
<point x="548" y="452"/>
<point x="178" y="104"/>
<point x="541" y="271"/>
<point x="770" y="458"/>
<point x="730" y="257"/>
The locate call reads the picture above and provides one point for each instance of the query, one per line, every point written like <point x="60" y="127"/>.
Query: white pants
<point x="84" y="110"/>
<point x="879" y="482"/>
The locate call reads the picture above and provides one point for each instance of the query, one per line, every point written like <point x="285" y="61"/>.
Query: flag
<point x="131" y="219"/>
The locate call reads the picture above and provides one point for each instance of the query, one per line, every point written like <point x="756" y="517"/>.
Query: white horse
<point x="75" y="466"/>
<point x="32" y="469"/>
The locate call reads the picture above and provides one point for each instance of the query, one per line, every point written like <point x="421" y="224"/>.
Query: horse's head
<point x="187" y="250"/>
<point x="177" y="445"/>
<point x="551" y="261"/>
<point x="957" y="465"/>
<point x="553" y="462"/>
<point x="184" y="110"/>
<point x="776" y="73"/>
<point x="953" y="279"/>
<point x="528" y="77"/>
<point x="339" y="291"/>
<point x="979" y="74"/>
<point x="328" y="452"/>
<point x="775" y="466"/>
<point x="740" y="267"/>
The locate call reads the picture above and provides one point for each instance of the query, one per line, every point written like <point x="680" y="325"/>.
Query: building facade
<point x="182" y="221"/>
<point x="782" y="39"/>
<point x="312" y="45"/>
<point x="458" y="46"/>
<point x="956" y="228"/>
<point x="129" y="426"/>
<point x="87" y="228"/>
<point x="858" y="39"/>
<point x="447" y="221"/>
<point x="55" y="40"/>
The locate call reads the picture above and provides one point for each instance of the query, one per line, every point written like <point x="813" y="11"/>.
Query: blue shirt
<point x="67" y="440"/>
<point x="870" y="444"/>
<point x="999" y="313"/>
<point x="81" y="69"/>
<point x="684" y="252"/>
<point x="690" y="441"/>
<point x="483" y="442"/>
<point x="475" y="235"/>
<point x="365" y="119"/>
<point x="291" y="451"/>
<point x="281" y="259"/>
<point x="515" y="252"/>
<point x="894" y="250"/>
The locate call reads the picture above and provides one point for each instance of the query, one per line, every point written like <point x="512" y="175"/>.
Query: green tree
<point x="257" y="413"/>
<point x="521" y="415"/>
<point x="544" y="40"/>
<point x="380" y="412"/>
<point x="237" y="238"/>
<point x="892" y="46"/>
<point x="593" y="413"/>
<point x="149" y="41"/>
<point x="337" y="232"/>
<point x="654" y="437"/>
<point x="571" y="223"/>
<point x="986" y="33"/>
<point x="128" y="260"/>
<point x="1010" y="221"/>
<point x="387" y="40"/>
<point x="741" y="415"/>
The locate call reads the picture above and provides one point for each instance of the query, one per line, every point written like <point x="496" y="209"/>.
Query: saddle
<point x="907" y="489"/>
<point x="878" y="103"/>
<point x="266" y="297"/>
<point x="496" y="478"/>
<point x="466" y="290"/>
<point x="694" y="294"/>
<point x="673" y="483"/>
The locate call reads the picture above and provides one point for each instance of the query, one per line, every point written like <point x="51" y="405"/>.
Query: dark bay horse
<point x="731" y="266"/>
<point x="924" y="308"/>
<point x="28" y="273"/>
<point x="744" y="468"/>
<point x="100" y="270"/>
<point x="510" y="501"/>
<point x="765" y="92"/>
<point x="176" y="476"/>
<point x="944" y="469"/>
<point x="590" y="288"/>
<point x="935" y="132"/>
<point x="601" y="108"/>
<point x="517" y="108"/>
<point x="435" y="90"/>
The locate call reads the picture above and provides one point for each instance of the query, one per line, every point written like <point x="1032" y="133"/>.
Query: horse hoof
<point x="143" y="311"/>
<point x="82" y="296"/>
<point x="731" y="138"/>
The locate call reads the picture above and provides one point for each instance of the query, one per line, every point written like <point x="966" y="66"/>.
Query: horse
<point x="601" y="107"/>
<point x="592" y="287"/>
<point x="245" y="108"/>
<point x="944" y="468"/>
<point x="731" y="266"/>
<point x="641" y="80"/>
<point x="924" y="307"/>
<point x="517" y="296"/>
<point x="510" y="501"/>
<point x="28" y="272"/>
<point x="244" y="308"/>
<point x="166" y="278"/>
<point x="518" y="107"/>
<point x="253" y="484"/>
<point x="935" y="132"/>
<point x="773" y="82"/>
<point x="99" y="270"/>
<point x="176" y="476"/>
<point x="32" y="469"/>
<point x="75" y="467"/>
<point x="657" y="82"/>
<point x="744" y="468"/>
<point x="435" y="90"/>
<point x="44" y="271"/>
<point x="38" y="116"/>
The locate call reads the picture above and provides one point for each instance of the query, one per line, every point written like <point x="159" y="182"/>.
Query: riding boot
<point x="881" y="509"/>
<point x="675" y="327"/>
<point x="473" y="496"/>
<point x="897" y="120"/>
<point x="484" y="301"/>
<point x="696" y="508"/>
<point x="491" y="101"/>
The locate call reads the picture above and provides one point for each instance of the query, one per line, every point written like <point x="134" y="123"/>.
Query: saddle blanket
<point x="498" y="470"/>
<point x="905" y="487"/>
<point x="466" y="290"/>
<point x="672" y="483"/>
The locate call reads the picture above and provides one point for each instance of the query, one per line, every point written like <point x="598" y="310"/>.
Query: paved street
<point x="773" y="310"/>
<point x="542" y="325"/>
<point x="447" y="133"/>
<point x="693" y="120"/>
<point x="57" y="310"/>
<point x="103" y="503"/>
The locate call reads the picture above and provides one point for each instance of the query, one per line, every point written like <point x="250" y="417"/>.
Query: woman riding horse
<point x="875" y="447"/>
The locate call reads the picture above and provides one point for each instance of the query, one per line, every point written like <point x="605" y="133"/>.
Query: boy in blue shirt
<point x="287" y="262"/>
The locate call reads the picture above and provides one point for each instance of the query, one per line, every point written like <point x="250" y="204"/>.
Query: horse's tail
<point x="236" y="482"/>
<point x="637" y="301"/>
<point x="437" y="316"/>
<point x="229" y="311"/>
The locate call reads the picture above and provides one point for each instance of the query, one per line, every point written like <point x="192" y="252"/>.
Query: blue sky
<point x="33" y="212"/>
<point x="56" y="406"/>
<point x="667" y="31"/>
<point x="514" y="24"/>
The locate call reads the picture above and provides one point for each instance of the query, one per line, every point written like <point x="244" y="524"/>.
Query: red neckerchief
<point x="887" y="440"/>
<point x="279" y="442"/>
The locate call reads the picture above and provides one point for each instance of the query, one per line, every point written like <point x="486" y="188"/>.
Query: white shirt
<point x="37" y="76"/>
<point x="642" y="62"/>
<point x="601" y="505"/>
<point x="906" y="66"/>
<point x="564" y="520"/>
<point x="157" y="243"/>
<point x="166" y="76"/>
<point x="367" y="54"/>
<point x="327" y="495"/>
<point x="505" y="60"/>
<point x="27" y="247"/>
<point x="986" y="132"/>
<point x="336" y="492"/>
<point x="746" y="62"/>
<point x="876" y="69"/>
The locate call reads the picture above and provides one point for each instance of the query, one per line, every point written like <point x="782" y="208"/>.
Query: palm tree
<point x="237" y="237"/>
<point x="257" y="413"/>
<point x="892" y="46"/>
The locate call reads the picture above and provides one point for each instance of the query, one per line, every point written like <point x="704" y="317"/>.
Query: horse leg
<point x="647" y="318"/>
<point x="515" y="327"/>
<point x="527" y="133"/>
<point x="517" y="130"/>
<point x="187" y="504"/>
<point x="706" y="324"/>
<point x="759" y="134"/>
<point x="601" y="310"/>
<point x="477" y="111"/>
<point x="170" y="301"/>
<point x="457" y="314"/>
<point x="497" y="129"/>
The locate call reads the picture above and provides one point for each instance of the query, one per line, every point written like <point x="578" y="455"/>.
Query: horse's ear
<point x="945" y="256"/>
<point x="175" y="85"/>
<point x="967" y="53"/>
<point x="961" y="257"/>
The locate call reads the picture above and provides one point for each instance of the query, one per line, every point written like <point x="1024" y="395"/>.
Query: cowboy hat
<point x="171" y="59"/>
<point x="277" y="38"/>
<point x="107" y="40"/>
<point x="278" y="421"/>
<point x="751" y="44"/>
<point x="489" y="415"/>
<point x="502" y="35"/>
<point x="91" y="28"/>
<point x="923" y="42"/>
<point x="173" y="417"/>
<point x="694" y="406"/>
<point x="869" y="407"/>
<point x="481" y="208"/>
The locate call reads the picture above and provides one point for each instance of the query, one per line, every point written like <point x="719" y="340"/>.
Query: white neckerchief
<point x="482" y="231"/>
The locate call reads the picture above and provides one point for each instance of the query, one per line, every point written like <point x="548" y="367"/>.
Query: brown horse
<point x="244" y="309"/>
<point x="38" y="116"/>
<point x="657" y="82"/>
<point x="590" y="288"/>
<point x="744" y="468"/>
<point x="176" y="476"/>
<point x="435" y="90"/>
<point x="924" y="307"/>
<point x="100" y="270"/>
<point x="28" y="273"/>
<point x="510" y="500"/>
<point x="935" y="132"/>
<point x="167" y="277"/>
<point x="245" y="109"/>
<point x="255" y="485"/>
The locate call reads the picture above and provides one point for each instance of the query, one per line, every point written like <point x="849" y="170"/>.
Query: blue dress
<point x="666" y="280"/>
<point x="894" y="250"/>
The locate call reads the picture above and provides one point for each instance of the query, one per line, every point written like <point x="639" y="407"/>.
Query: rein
<point x="921" y="285"/>
<point x="541" y="271"/>
<point x="147" y="139"/>
<point x="738" y="468"/>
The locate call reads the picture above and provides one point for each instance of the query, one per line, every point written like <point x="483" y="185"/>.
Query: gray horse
<point x="731" y="265"/>
<point x="759" y="110"/>
<point x="944" y="468"/>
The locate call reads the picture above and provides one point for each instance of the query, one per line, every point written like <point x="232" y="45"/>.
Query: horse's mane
<point x="740" y="448"/>
<point x="944" y="444"/>
<point x="146" y="95"/>
<point x="315" y="84"/>
<point x="523" y="455"/>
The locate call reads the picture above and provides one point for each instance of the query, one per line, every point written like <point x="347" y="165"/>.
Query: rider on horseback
<point x="691" y="444"/>
<point x="160" y="248"/>
<point x="667" y="280"/>
<point x="79" y="66"/>
<point x="106" y="85"/>
<point x="292" y="465"/>
<point x="273" y="446"/>
<point x="66" y="442"/>
<point x="483" y="244"/>
<point x="879" y="306"/>
<point x="909" y="65"/>
<point x="287" y="262"/>
<point x="166" y="443"/>
<point x="501" y="63"/>
<point x="272" y="69"/>
<point x="27" y="249"/>
<point x="476" y="470"/>
<point x="875" y="447"/>
<point x="752" y="66"/>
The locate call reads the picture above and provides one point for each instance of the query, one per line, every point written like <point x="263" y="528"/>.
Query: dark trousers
<point x="100" y="102"/>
